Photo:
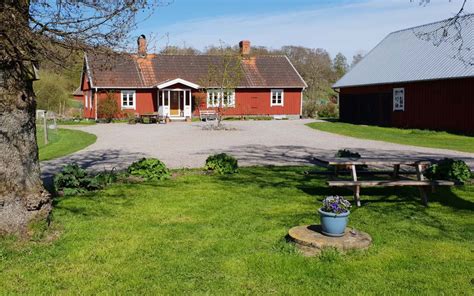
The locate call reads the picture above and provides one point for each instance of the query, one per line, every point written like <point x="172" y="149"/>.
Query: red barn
<point x="414" y="79"/>
<point x="142" y="83"/>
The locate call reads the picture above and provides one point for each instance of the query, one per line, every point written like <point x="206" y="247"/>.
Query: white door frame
<point x="184" y="111"/>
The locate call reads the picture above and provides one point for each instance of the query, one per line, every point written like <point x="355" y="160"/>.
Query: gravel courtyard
<point x="181" y="144"/>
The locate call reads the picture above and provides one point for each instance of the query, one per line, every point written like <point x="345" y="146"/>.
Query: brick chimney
<point x="244" y="47"/>
<point x="141" y="41"/>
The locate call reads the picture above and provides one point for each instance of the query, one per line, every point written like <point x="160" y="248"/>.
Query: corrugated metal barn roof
<point x="405" y="56"/>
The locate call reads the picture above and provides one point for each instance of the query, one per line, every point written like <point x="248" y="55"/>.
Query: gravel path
<point x="183" y="144"/>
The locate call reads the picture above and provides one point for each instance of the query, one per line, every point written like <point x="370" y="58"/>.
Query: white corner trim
<point x="177" y="80"/>
<point x="299" y="75"/>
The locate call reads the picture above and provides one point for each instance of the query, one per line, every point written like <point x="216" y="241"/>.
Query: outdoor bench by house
<point x="206" y="115"/>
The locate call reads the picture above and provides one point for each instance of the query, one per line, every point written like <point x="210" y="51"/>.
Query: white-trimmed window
<point x="128" y="99"/>
<point x="276" y="97"/>
<point x="214" y="97"/>
<point x="86" y="100"/>
<point x="398" y="99"/>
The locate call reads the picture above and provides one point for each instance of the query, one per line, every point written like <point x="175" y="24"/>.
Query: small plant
<point x="449" y="169"/>
<point x="336" y="204"/>
<point x="74" y="180"/>
<point x="150" y="169"/>
<point x="222" y="164"/>
<point x="347" y="153"/>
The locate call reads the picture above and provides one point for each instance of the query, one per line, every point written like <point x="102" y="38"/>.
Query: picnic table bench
<point x="355" y="184"/>
<point x="206" y="115"/>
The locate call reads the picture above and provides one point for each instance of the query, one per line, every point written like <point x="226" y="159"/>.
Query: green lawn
<point x="204" y="234"/>
<point x="62" y="142"/>
<point x="423" y="138"/>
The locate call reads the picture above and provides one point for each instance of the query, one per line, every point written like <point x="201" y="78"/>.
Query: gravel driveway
<point x="181" y="144"/>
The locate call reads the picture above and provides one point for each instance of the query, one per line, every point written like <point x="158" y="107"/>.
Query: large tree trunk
<point x="23" y="198"/>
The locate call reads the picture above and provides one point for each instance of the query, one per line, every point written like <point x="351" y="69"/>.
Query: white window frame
<point x="281" y="99"/>
<point x="134" y="99"/>
<point x="399" y="99"/>
<point x="86" y="100"/>
<point x="214" y="97"/>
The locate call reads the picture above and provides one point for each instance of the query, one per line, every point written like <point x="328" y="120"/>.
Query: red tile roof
<point x="131" y="71"/>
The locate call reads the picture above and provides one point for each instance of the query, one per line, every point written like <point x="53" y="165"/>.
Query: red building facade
<point x="170" y="84"/>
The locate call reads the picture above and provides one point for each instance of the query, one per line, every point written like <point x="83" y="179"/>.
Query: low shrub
<point x="72" y="179"/>
<point x="347" y="153"/>
<point x="449" y="169"/>
<point x="222" y="164"/>
<point x="328" y="110"/>
<point x="150" y="169"/>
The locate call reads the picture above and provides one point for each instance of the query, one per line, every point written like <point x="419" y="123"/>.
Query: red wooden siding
<point x="247" y="102"/>
<point x="257" y="102"/>
<point x="439" y="105"/>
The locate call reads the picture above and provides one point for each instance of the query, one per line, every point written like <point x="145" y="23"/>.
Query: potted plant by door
<point x="334" y="215"/>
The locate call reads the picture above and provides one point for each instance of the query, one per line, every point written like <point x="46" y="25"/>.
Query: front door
<point x="175" y="103"/>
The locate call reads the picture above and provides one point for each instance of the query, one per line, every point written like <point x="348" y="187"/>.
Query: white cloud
<point x="347" y="28"/>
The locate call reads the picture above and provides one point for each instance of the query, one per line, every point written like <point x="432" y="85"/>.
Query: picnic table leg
<point x="357" y="195"/>
<point x="396" y="170"/>
<point x="356" y="188"/>
<point x="424" y="195"/>
<point x="335" y="170"/>
<point x="353" y="172"/>
<point x="419" y="172"/>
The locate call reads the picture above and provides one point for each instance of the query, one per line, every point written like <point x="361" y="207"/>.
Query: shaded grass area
<point x="62" y="142"/>
<point x="415" y="137"/>
<point x="205" y="234"/>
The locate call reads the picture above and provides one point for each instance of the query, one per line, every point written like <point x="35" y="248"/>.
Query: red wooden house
<point x="142" y="83"/>
<point x="409" y="81"/>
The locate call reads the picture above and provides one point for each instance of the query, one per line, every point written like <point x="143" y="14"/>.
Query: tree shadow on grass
<point x="305" y="155"/>
<point x="94" y="161"/>
<point x="95" y="204"/>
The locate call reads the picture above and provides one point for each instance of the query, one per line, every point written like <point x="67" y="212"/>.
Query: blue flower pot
<point x="333" y="224"/>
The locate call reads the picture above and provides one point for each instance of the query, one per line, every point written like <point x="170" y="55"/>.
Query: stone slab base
<point x="310" y="240"/>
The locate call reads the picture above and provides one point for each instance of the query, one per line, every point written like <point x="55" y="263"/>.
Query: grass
<point x="415" y="137"/>
<point x="77" y="122"/>
<point x="204" y="234"/>
<point x="62" y="142"/>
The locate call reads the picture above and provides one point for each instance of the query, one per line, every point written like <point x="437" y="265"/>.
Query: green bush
<point x="150" y="169"/>
<point x="222" y="164"/>
<point x="74" y="180"/>
<point x="347" y="153"/>
<point x="449" y="169"/>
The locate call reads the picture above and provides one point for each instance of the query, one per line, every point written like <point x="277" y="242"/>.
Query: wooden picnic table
<point x="355" y="184"/>
<point x="151" y="116"/>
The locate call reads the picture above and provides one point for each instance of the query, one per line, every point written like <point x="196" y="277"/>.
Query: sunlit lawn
<point x="62" y="142"/>
<point x="203" y="234"/>
<point x="423" y="138"/>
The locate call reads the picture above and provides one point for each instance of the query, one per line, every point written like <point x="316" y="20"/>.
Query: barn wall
<point x="439" y="105"/>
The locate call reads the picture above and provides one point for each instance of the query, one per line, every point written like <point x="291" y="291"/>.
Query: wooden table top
<point x="374" y="161"/>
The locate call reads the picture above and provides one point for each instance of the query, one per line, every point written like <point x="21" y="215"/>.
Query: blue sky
<point x="337" y="26"/>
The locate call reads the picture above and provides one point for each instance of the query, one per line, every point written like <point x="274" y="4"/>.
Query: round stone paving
<point x="311" y="241"/>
